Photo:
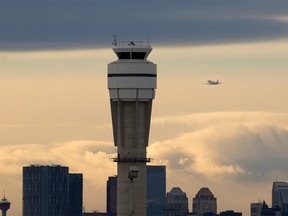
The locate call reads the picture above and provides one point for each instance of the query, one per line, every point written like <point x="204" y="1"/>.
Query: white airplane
<point x="212" y="82"/>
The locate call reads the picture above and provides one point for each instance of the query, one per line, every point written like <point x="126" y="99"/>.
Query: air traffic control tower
<point x="132" y="84"/>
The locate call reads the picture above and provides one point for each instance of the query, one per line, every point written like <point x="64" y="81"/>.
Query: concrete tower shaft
<point x="132" y="84"/>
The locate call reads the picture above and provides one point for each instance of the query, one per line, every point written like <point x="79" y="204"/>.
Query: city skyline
<point x="231" y="138"/>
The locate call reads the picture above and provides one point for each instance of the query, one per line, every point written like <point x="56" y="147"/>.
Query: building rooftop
<point x="131" y="49"/>
<point x="204" y="192"/>
<point x="176" y="191"/>
<point x="280" y="185"/>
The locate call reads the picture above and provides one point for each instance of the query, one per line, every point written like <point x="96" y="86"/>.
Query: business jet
<point x="212" y="82"/>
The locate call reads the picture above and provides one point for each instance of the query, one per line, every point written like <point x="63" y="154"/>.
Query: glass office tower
<point x="45" y="190"/>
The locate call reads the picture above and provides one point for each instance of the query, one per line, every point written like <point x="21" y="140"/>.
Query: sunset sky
<point x="232" y="138"/>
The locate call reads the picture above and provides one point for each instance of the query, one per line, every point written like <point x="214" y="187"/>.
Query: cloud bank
<point x="34" y="25"/>
<point x="246" y="151"/>
<point x="239" y="146"/>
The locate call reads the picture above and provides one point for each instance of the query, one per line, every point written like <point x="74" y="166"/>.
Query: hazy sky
<point x="232" y="138"/>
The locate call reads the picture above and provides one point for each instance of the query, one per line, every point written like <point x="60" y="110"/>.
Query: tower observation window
<point x="123" y="55"/>
<point x="132" y="55"/>
<point x="138" y="55"/>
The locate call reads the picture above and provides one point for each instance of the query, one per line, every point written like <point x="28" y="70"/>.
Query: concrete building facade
<point x="176" y="203"/>
<point x="204" y="202"/>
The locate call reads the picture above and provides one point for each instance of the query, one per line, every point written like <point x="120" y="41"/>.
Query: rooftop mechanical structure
<point x="4" y="206"/>
<point x="132" y="84"/>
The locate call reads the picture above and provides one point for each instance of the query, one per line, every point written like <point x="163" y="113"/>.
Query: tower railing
<point x="117" y="158"/>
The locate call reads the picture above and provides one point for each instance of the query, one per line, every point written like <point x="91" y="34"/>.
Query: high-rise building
<point x="75" y="194"/>
<point x="255" y="209"/>
<point x="45" y="190"/>
<point x="204" y="202"/>
<point x="280" y="197"/>
<point x="262" y="209"/>
<point x="111" y="196"/>
<point x="132" y="84"/>
<point x="4" y="206"/>
<point x="156" y="190"/>
<point x="176" y="203"/>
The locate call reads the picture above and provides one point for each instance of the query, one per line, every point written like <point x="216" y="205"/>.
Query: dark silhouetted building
<point x="255" y="209"/>
<point x="176" y="203"/>
<point x="111" y="197"/>
<point x="230" y="213"/>
<point x="75" y="194"/>
<point x="262" y="209"/>
<point x="95" y="214"/>
<point x="204" y="202"/>
<point x="45" y="190"/>
<point x="280" y="197"/>
<point x="156" y="190"/>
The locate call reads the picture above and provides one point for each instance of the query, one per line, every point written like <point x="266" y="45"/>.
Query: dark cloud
<point x="262" y="152"/>
<point x="31" y="24"/>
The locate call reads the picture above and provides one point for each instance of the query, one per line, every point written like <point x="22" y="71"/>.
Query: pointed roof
<point x="176" y="191"/>
<point x="204" y="192"/>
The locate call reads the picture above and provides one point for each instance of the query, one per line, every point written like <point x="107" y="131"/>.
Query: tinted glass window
<point x="138" y="55"/>
<point x="123" y="55"/>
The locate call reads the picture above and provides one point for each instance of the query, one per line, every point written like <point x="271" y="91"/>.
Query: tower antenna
<point x="114" y="40"/>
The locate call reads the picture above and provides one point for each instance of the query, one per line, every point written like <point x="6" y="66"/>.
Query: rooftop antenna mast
<point x="114" y="40"/>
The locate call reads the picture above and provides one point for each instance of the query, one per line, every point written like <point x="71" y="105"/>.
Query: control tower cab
<point x="132" y="76"/>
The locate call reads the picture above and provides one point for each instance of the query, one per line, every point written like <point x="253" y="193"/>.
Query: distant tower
<point x="176" y="203"/>
<point x="204" y="202"/>
<point x="4" y="206"/>
<point x="132" y="84"/>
